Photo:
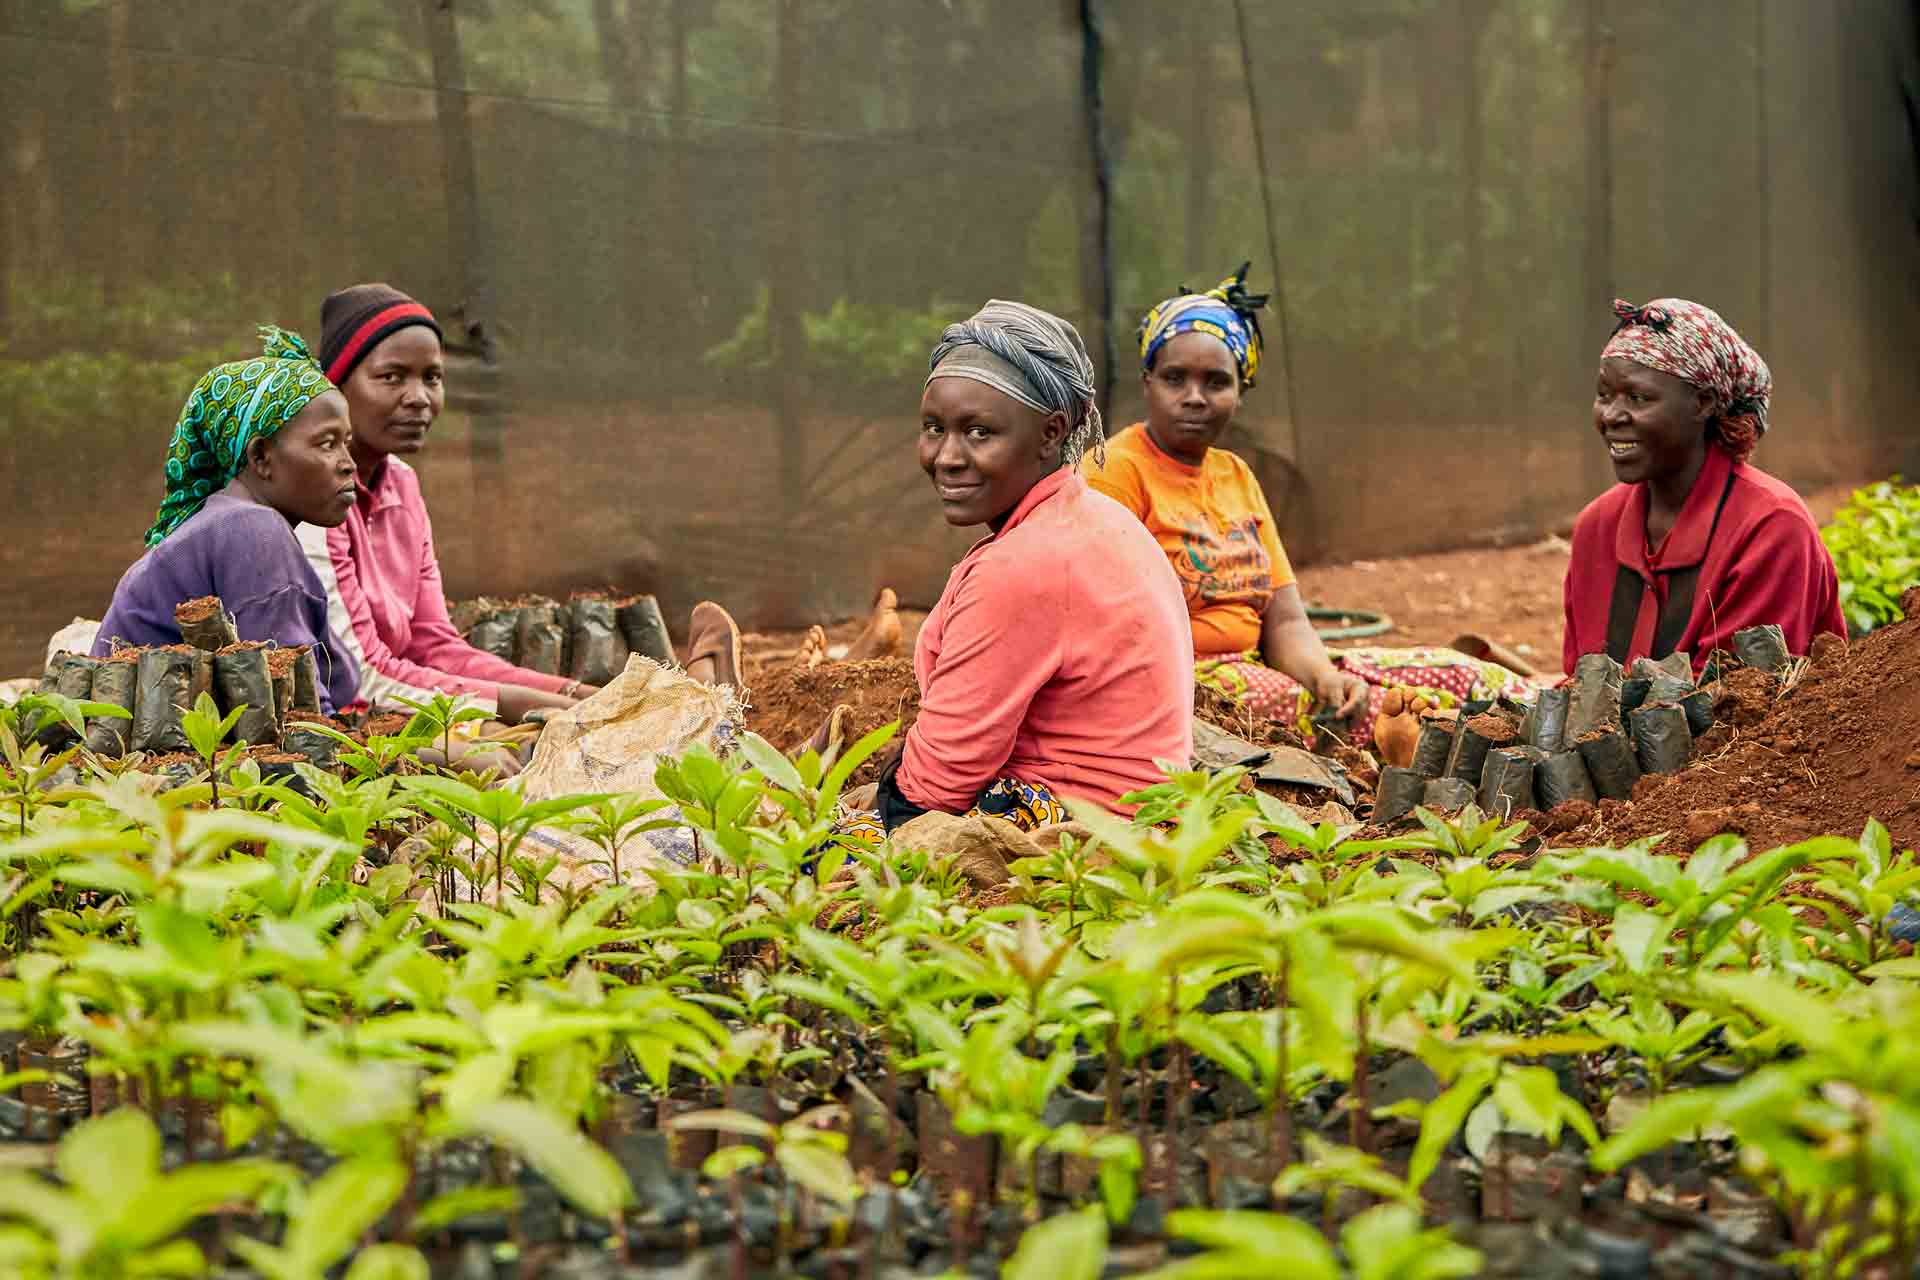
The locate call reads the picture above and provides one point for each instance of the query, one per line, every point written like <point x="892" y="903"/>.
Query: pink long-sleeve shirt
<point x="386" y="602"/>
<point x="1059" y="653"/>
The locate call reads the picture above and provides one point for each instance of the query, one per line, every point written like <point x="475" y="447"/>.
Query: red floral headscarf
<point x="1694" y="344"/>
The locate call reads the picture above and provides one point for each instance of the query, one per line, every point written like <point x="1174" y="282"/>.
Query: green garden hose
<point x="1368" y="624"/>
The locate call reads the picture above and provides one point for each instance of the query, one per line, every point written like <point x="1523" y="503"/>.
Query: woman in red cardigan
<point x="1694" y="543"/>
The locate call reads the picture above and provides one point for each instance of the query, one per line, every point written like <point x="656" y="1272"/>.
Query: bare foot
<point x="881" y="639"/>
<point x="813" y="650"/>
<point x="1397" y="728"/>
<point x="713" y="646"/>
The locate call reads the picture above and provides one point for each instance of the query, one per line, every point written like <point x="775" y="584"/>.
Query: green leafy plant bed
<point x="1210" y="1040"/>
<point x="1875" y="541"/>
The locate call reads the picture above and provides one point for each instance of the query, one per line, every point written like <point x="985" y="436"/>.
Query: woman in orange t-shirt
<point x="1251" y="634"/>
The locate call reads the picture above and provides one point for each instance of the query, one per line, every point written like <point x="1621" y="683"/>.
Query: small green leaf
<point x="1899" y="967"/>
<point x="187" y="937"/>
<point x="450" y="1207"/>
<point x="388" y="1262"/>
<point x="189" y="1193"/>
<point x="727" y="1161"/>
<point x="737" y="1123"/>
<point x="766" y="757"/>
<point x="1675" y="1117"/>
<point x="112" y="1158"/>
<point x="1264" y="1244"/>
<point x="819" y="1169"/>
<point x="1640" y="936"/>
<point x="1071" y="1246"/>
<point x="579" y="1170"/>
<point x="1442" y="1119"/>
<point x="339" y="1207"/>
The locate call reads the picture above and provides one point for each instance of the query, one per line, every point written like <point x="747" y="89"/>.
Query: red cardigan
<point x="1749" y="537"/>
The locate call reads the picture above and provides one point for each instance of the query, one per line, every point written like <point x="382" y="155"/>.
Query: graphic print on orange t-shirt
<point x="1223" y="561"/>
<point x="1215" y="527"/>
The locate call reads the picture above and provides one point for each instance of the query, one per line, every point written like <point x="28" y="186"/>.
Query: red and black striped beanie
<point x="355" y="320"/>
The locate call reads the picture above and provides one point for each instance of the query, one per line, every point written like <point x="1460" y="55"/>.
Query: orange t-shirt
<point x="1215" y="526"/>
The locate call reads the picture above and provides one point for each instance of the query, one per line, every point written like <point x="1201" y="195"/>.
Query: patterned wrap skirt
<point x="1446" y="676"/>
<point x="1027" y="805"/>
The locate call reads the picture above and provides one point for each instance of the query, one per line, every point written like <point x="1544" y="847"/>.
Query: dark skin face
<point x="1193" y="391"/>
<point x="983" y="449"/>
<point x="305" y="469"/>
<point x="394" y="395"/>
<point x="1655" y="428"/>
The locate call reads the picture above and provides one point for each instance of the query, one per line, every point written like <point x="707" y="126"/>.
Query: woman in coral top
<point x="1199" y="353"/>
<point x="1058" y="661"/>
<point x="1694" y="543"/>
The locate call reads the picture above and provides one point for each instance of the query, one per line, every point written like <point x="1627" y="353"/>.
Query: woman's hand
<point x="475" y="757"/>
<point x="1289" y="644"/>
<point x="1347" y="694"/>
<point x="516" y="700"/>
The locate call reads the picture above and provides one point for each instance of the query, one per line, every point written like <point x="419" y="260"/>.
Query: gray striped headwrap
<point x="1031" y="355"/>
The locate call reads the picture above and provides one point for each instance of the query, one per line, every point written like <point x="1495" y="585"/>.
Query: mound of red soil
<point x="788" y="702"/>
<point x="1836" y="747"/>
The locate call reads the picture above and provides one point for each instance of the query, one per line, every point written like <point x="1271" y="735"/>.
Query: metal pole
<point x="1093" y="102"/>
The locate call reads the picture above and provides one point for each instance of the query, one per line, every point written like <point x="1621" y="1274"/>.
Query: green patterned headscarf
<point x="230" y="407"/>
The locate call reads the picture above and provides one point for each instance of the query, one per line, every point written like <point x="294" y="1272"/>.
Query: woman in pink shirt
<point x="1058" y="661"/>
<point x="384" y="596"/>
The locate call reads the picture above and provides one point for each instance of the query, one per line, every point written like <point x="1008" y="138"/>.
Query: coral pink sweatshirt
<point x="1059" y="653"/>
<point x="386" y="603"/>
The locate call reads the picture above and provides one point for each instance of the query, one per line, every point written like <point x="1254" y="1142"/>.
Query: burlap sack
<point x="612" y="742"/>
<point x="979" y="847"/>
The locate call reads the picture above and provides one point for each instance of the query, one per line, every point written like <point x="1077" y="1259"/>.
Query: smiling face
<point x="305" y="469"/>
<point x="395" y="394"/>
<point x="1193" y="391"/>
<point x="983" y="449"/>
<point x="1654" y="424"/>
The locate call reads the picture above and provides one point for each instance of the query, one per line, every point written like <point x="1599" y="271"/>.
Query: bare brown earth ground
<point x="1511" y="595"/>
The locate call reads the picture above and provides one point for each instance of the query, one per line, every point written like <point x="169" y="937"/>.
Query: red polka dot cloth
<point x="1445" y="675"/>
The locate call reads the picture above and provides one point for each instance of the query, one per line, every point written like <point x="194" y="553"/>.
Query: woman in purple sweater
<point x="261" y="445"/>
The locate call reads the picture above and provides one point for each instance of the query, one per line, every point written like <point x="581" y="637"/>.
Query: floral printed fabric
<point x="1026" y="805"/>
<point x="1214" y="525"/>
<point x="229" y="408"/>
<point x="1446" y="676"/>
<point x="1692" y="343"/>
<point x="1226" y="311"/>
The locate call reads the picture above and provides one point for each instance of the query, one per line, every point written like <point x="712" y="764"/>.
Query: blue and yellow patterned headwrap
<point x="229" y="408"/>
<point x="1225" y="311"/>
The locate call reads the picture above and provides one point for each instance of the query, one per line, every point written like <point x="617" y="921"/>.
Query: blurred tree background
<point x="704" y="244"/>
